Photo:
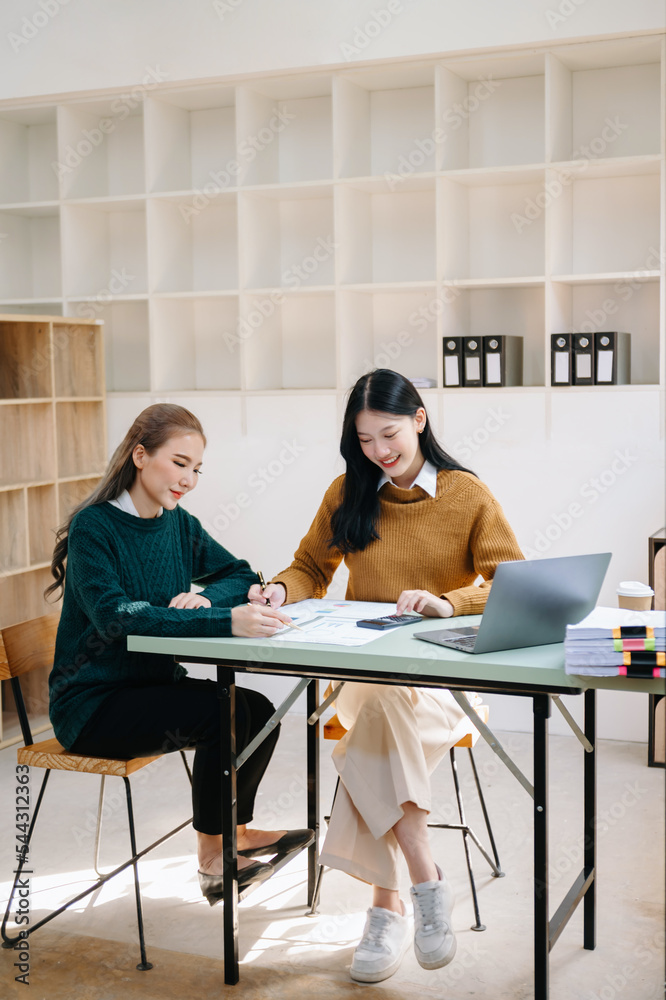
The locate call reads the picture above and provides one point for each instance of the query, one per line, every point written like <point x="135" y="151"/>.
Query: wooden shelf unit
<point x="267" y="233"/>
<point x="53" y="433"/>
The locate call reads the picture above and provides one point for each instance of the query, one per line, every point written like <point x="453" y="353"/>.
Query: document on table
<point x="333" y="622"/>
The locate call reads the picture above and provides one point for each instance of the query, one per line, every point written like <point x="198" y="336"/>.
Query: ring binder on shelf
<point x="561" y="371"/>
<point x="472" y="374"/>
<point x="502" y="360"/>
<point x="583" y="358"/>
<point x="452" y="348"/>
<point x="612" y="358"/>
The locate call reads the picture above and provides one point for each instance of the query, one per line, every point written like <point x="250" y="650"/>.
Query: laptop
<point x="530" y="604"/>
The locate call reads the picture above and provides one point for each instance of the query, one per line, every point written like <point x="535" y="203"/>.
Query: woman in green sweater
<point x="131" y="555"/>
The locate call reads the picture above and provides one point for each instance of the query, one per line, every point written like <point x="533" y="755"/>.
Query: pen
<point x="262" y="583"/>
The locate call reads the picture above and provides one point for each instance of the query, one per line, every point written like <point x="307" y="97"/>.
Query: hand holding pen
<point x="269" y="594"/>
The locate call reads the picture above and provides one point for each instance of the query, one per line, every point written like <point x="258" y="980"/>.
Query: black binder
<point x="472" y="361"/>
<point x="612" y="358"/>
<point x="502" y="361"/>
<point x="583" y="359"/>
<point x="453" y="374"/>
<point x="561" y="367"/>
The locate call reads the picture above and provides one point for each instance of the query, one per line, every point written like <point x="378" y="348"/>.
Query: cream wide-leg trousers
<point x="396" y="738"/>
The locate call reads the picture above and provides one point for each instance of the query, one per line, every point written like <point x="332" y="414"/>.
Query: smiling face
<point x="392" y="443"/>
<point x="166" y="475"/>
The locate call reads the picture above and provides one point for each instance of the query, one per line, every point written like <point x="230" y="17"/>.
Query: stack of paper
<point x="615" y="641"/>
<point x="421" y="382"/>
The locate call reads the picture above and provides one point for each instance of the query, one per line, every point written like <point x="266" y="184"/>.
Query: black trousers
<point x="162" y="718"/>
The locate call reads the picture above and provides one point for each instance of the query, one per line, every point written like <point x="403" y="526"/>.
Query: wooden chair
<point x="25" y="647"/>
<point x="334" y="730"/>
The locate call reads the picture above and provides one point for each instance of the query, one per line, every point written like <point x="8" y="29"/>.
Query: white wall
<point x="58" y="46"/>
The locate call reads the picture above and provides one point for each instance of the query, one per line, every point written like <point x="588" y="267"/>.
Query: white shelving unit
<point x="287" y="232"/>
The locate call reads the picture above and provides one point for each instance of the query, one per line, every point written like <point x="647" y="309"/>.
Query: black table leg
<point x="226" y="689"/>
<point x="541" y="703"/>
<point x="590" y="820"/>
<point x="313" y="786"/>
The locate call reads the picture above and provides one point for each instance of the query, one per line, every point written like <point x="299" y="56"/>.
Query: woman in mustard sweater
<point x="417" y="529"/>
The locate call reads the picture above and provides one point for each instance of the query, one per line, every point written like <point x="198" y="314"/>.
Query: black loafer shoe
<point x="292" y="840"/>
<point x="211" y="885"/>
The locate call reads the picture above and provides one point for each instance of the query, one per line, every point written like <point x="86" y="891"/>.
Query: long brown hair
<point x="154" y="425"/>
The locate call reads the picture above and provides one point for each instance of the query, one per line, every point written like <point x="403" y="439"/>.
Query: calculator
<point x="389" y="621"/>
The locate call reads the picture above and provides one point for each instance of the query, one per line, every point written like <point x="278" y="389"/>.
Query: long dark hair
<point x="355" y="522"/>
<point x="152" y="428"/>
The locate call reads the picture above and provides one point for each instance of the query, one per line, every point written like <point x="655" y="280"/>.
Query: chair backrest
<point x="27" y="646"/>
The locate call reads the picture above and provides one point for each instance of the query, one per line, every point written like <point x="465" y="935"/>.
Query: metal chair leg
<point x="312" y="912"/>
<point x="478" y="926"/>
<point x="144" y="965"/>
<point x="499" y="873"/>
<point x="7" y="941"/>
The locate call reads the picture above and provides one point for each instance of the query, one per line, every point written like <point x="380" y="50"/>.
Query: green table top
<point x="397" y="657"/>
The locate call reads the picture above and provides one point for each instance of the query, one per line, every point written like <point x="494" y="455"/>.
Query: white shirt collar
<point x="125" y="502"/>
<point x="426" y="479"/>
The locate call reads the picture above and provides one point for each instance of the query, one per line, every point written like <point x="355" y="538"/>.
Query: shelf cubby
<point x="383" y="119"/>
<point x="13" y="531"/>
<point x="501" y="311"/>
<point x="490" y="112"/>
<point x="80" y="435"/>
<point x="284" y="130"/>
<point x="105" y="249"/>
<point x="78" y="360"/>
<point x="193" y="249"/>
<point x="392" y="328"/>
<point x="606" y="224"/>
<point x="486" y="230"/>
<point x="25" y="369"/>
<point x="191" y="140"/>
<point x="42" y="522"/>
<point x="605" y="99"/>
<point x="21" y="597"/>
<point x="74" y="492"/>
<point x="387" y="236"/>
<point x="288" y="237"/>
<point x="196" y="343"/>
<point x="294" y="346"/>
<point x="628" y="304"/>
<point x="101" y="149"/>
<point x="126" y="344"/>
<point x="28" y="139"/>
<point x="30" y="252"/>
<point x="28" y="443"/>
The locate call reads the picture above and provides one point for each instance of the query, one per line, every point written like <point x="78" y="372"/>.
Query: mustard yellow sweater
<point x="440" y="544"/>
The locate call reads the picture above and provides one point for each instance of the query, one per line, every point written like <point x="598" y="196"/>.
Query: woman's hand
<point x="255" y="621"/>
<point x="274" y="593"/>
<point x="189" y="601"/>
<point x="424" y="603"/>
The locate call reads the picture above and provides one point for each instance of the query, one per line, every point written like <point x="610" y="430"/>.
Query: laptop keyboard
<point x="466" y="642"/>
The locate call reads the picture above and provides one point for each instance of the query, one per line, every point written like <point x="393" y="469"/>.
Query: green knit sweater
<point x="122" y="571"/>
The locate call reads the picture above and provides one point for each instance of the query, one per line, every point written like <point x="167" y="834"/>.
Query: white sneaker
<point x="434" y="940"/>
<point x="385" y="940"/>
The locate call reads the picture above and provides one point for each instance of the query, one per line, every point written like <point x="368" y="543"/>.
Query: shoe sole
<point x="378" y="977"/>
<point x="439" y="963"/>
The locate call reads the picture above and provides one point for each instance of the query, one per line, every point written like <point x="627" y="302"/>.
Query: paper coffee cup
<point x="634" y="596"/>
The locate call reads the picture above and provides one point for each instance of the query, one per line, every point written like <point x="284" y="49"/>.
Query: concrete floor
<point x="91" y="951"/>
